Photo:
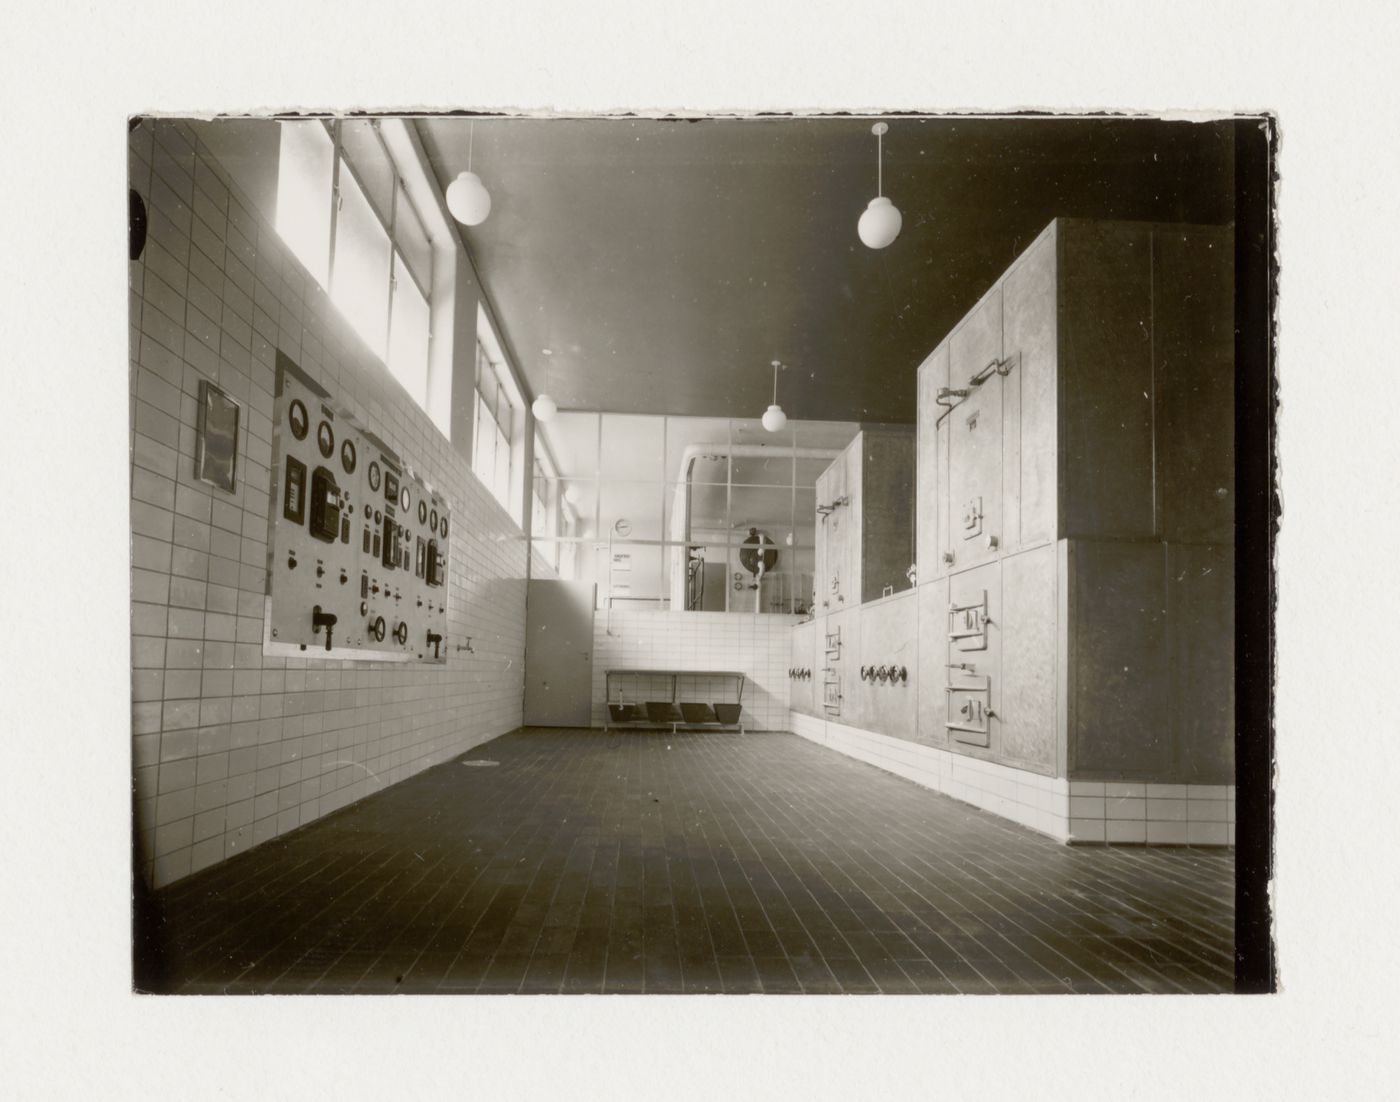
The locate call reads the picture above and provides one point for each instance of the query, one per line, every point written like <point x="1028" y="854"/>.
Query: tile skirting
<point x="1135" y="812"/>
<point x="1076" y="812"/>
<point x="1038" y="802"/>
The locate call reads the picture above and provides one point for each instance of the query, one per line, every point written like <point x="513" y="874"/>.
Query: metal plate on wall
<point x="966" y="670"/>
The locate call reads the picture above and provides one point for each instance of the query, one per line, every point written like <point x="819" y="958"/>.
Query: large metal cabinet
<point x="1074" y="510"/>
<point x="865" y="525"/>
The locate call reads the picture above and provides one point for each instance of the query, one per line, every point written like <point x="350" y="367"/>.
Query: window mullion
<point x="393" y="274"/>
<point x="335" y="201"/>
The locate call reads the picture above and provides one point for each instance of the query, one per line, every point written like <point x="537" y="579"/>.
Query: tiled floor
<point x="710" y="862"/>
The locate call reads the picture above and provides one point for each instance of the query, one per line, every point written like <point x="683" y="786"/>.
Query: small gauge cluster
<point x="358" y="556"/>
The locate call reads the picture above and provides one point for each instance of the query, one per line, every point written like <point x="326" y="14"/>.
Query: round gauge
<point x="404" y="499"/>
<point x="374" y="474"/>
<point x="623" y="527"/>
<point x="432" y="521"/>
<point x="347" y="456"/>
<point x="296" y="417"/>
<point x="423" y="513"/>
<point x="325" y="438"/>
<point x="443" y="527"/>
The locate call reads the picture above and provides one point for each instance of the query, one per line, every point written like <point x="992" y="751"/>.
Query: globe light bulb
<point x="468" y="199"/>
<point x="544" y="408"/>
<point x="774" y="419"/>
<point x="880" y="223"/>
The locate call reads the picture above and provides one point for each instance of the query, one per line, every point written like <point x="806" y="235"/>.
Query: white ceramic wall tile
<point x="273" y="743"/>
<point x="1040" y="803"/>
<point x="759" y="646"/>
<point x="1074" y="811"/>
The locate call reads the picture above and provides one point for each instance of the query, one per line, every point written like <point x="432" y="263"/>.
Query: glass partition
<point x="684" y="513"/>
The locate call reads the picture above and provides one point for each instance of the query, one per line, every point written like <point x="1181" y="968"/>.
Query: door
<point x="975" y="437"/>
<point x="558" y="654"/>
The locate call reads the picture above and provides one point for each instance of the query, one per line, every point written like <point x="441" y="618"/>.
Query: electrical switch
<point x="321" y="620"/>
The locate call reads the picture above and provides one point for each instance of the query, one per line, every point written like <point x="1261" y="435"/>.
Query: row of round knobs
<point x="796" y="674"/>
<point x="884" y="673"/>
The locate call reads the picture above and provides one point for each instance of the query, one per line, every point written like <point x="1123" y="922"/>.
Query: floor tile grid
<point x="857" y="866"/>
<point x="399" y="884"/>
<point x="896" y="943"/>
<point x="280" y="882"/>
<point x="855" y="893"/>
<point x="864" y="859"/>
<point x="749" y="866"/>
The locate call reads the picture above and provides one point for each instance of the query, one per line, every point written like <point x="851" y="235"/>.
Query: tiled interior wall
<point x="1155" y="814"/>
<point x="231" y="748"/>
<point x="1070" y="811"/>
<point x="1030" y="799"/>
<point x="758" y="645"/>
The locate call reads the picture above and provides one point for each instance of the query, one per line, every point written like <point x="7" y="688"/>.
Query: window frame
<point x="398" y="252"/>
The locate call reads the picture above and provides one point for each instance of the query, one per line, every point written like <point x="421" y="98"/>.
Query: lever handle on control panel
<point x="321" y="620"/>
<point x="376" y="629"/>
<point x="401" y="633"/>
<point x="435" y="641"/>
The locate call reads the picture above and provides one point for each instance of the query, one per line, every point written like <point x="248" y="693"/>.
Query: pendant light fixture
<point x="775" y="418"/>
<point x="880" y="223"/>
<point x="467" y="197"/>
<point x="544" y="407"/>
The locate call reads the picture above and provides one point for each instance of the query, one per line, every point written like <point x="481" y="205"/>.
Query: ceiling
<point x="665" y="263"/>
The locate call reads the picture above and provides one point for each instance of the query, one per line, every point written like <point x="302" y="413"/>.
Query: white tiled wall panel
<point x="1070" y="811"/>
<point x="1161" y="814"/>
<point x="1030" y="799"/>
<point x="758" y="645"/>
<point x="231" y="748"/>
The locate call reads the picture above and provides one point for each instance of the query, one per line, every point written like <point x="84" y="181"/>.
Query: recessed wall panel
<point x="1031" y="467"/>
<point x="1193" y="336"/>
<point x="1028" y="658"/>
<point x="806" y="670"/>
<point x="889" y="656"/>
<point x="974" y="430"/>
<point x="1201" y="623"/>
<point x="931" y="707"/>
<point x="1121" y="718"/>
<point x="1105" y="356"/>
<point x="933" y="376"/>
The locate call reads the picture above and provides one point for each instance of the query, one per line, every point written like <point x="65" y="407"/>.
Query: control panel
<point x="358" y="543"/>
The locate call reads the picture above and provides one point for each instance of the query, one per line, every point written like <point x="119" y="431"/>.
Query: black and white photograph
<point x="702" y="555"/>
<point x="717" y="550"/>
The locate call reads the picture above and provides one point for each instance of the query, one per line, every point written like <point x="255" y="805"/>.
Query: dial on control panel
<point x="297" y="419"/>
<point x="325" y="438"/>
